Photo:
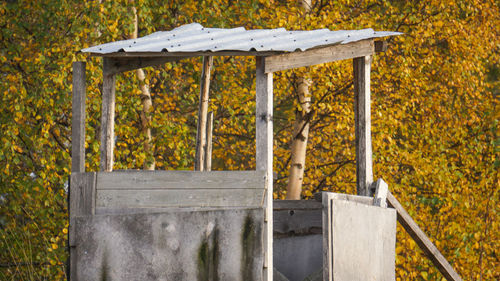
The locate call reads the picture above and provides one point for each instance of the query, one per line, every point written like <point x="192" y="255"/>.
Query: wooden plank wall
<point x="168" y="189"/>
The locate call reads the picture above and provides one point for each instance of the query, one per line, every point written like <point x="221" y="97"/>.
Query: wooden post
<point x="202" y="114"/>
<point x="77" y="145"/>
<point x="78" y="119"/>
<point x="364" y="174"/>
<point x="107" y="117"/>
<point x="264" y="153"/>
<point x="81" y="203"/>
<point x="208" y="149"/>
<point x="422" y="240"/>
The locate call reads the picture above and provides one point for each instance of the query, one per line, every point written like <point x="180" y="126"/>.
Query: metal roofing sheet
<point x="196" y="38"/>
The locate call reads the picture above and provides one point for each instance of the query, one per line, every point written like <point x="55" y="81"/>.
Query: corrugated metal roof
<point x="196" y="38"/>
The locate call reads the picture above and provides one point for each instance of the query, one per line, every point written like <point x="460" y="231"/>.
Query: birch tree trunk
<point x="299" y="141"/>
<point x="147" y="104"/>
<point x="300" y="132"/>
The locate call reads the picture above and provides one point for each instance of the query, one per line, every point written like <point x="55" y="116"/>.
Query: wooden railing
<point x="418" y="235"/>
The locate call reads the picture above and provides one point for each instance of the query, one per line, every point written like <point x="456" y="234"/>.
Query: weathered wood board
<point x="362" y="119"/>
<point x="359" y="241"/>
<point x="162" y="189"/>
<point x="296" y="217"/>
<point x="264" y="152"/>
<point x="319" y="55"/>
<point x="189" y="245"/>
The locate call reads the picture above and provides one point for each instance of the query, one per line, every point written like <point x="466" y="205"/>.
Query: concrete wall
<point x="176" y="245"/>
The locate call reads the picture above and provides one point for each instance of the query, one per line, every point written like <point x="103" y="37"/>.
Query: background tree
<point x="434" y="116"/>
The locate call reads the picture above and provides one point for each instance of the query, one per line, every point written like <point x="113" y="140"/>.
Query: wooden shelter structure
<point x="234" y="208"/>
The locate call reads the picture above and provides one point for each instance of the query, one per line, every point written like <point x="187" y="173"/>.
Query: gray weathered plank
<point x="327" y="236"/>
<point x="296" y="205"/>
<point x="423" y="241"/>
<point x="82" y="196"/>
<point x="264" y="153"/>
<point x="359" y="241"/>
<point x="201" y="133"/>
<point x="319" y="55"/>
<point x="78" y="119"/>
<point x="151" y="180"/>
<point x="381" y="46"/>
<point x="81" y="203"/>
<point x="107" y="118"/>
<point x="151" y="210"/>
<point x="347" y="197"/>
<point x="122" y="64"/>
<point x="381" y="190"/>
<point x="297" y="222"/>
<point x="364" y="174"/>
<point x="130" y="198"/>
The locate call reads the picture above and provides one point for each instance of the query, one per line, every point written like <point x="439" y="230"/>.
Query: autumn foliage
<point x="435" y="113"/>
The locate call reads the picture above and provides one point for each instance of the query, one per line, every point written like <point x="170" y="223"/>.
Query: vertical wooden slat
<point x="107" y="117"/>
<point x="202" y="114"/>
<point x="82" y="203"/>
<point x="208" y="150"/>
<point x="78" y="119"/>
<point x="264" y="153"/>
<point x="327" y="237"/>
<point x="364" y="174"/>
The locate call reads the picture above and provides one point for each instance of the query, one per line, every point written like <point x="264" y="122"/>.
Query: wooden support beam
<point x="380" y="46"/>
<point x="78" y="119"/>
<point x="423" y="241"/>
<point x="208" y="150"/>
<point x="364" y="174"/>
<point x="202" y="114"/>
<point x="107" y="117"/>
<point x="121" y="64"/>
<point x="319" y="55"/>
<point x="264" y="153"/>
